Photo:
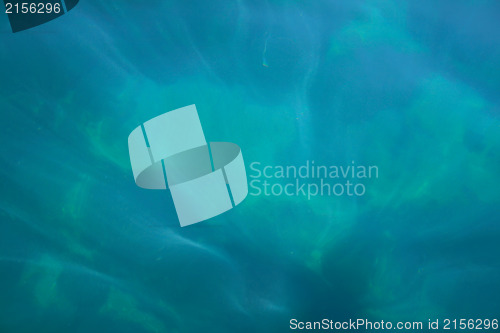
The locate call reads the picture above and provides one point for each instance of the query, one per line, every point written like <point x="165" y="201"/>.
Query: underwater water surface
<point x="412" y="87"/>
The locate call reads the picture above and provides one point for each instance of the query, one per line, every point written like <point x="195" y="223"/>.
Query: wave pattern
<point x="410" y="86"/>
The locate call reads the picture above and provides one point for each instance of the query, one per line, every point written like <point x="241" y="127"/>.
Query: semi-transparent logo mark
<point x="170" y="151"/>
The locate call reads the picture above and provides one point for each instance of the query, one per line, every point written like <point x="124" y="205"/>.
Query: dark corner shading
<point x="26" y="15"/>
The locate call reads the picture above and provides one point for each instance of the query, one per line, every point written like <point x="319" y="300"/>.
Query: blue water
<point x="410" y="86"/>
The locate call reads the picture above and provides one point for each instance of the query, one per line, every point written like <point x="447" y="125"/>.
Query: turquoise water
<point x="410" y="86"/>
